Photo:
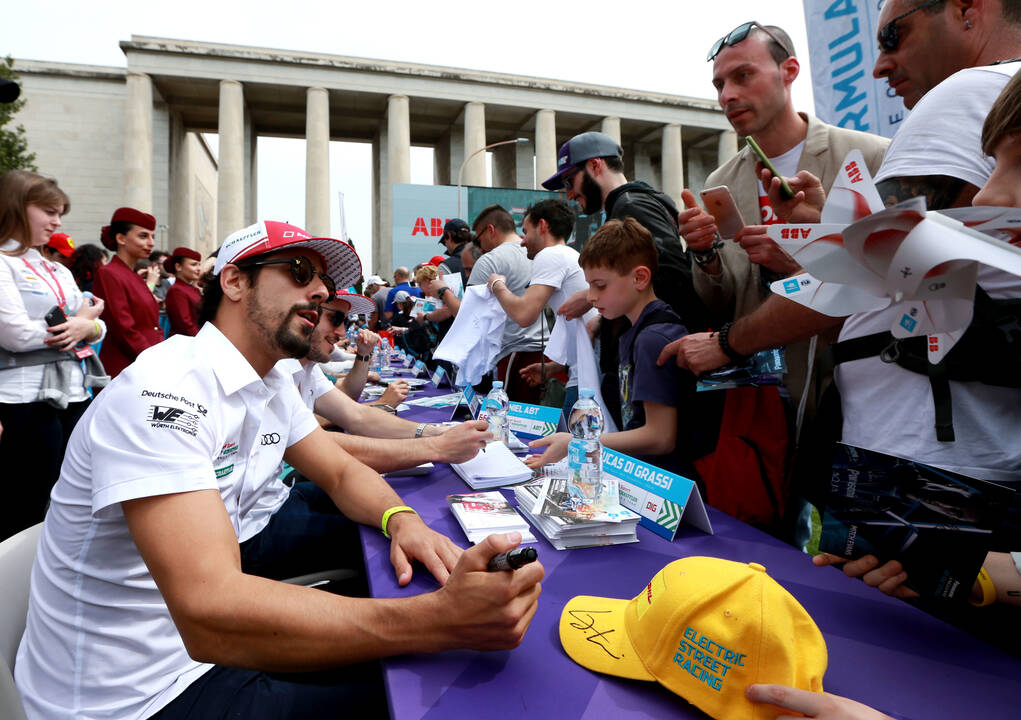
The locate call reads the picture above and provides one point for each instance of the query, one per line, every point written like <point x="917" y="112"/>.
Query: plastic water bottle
<point x="384" y="357"/>
<point x="497" y="407"/>
<point x="585" y="451"/>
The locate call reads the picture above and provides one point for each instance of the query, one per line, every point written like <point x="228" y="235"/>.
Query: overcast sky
<point x="656" y="46"/>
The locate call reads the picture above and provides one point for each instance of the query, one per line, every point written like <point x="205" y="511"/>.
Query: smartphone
<point x="785" y="190"/>
<point x="55" y="316"/>
<point x="720" y="204"/>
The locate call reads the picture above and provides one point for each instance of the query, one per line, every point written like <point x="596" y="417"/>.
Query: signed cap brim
<point x="594" y="634"/>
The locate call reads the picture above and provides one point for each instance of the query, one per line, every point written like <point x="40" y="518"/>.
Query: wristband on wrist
<point x="363" y="358"/>
<point x="723" y="337"/>
<point x="985" y="584"/>
<point x="420" y="429"/>
<point x="439" y="293"/>
<point x="390" y="513"/>
<point x="99" y="330"/>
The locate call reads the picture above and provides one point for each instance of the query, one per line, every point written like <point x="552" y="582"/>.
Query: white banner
<point x="843" y="50"/>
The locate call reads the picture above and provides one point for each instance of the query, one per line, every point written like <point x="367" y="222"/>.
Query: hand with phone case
<point x="65" y="332"/>
<point x="696" y="226"/>
<point x="809" y="196"/>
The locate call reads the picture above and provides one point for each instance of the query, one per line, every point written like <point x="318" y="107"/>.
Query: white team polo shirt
<point x="311" y="384"/>
<point x="189" y="414"/>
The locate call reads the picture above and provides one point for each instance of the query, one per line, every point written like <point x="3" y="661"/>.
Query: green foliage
<point x="14" y="153"/>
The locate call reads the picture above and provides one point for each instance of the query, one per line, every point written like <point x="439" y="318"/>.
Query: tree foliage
<point x="14" y="154"/>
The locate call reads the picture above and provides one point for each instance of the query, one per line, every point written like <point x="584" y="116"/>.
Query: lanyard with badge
<point x="82" y="350"/>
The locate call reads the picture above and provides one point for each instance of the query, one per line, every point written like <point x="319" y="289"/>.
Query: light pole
<point x="460" y="171"/>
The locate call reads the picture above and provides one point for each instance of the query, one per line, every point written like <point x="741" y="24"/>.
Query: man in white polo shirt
<point x="138" y="602"/>
<point x="306" y="533"/>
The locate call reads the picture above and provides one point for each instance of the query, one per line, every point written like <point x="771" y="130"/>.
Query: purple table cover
<point x="882" y="652"/>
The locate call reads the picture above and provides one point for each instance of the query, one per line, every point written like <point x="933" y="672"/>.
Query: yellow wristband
<point x="99" y="330"/>
<point x="391" y="512"/>
<point x="985" y="584"/>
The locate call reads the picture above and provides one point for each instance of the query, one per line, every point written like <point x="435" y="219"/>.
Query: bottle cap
<point x="497" y="384"/>
<point x="586" y="392"/>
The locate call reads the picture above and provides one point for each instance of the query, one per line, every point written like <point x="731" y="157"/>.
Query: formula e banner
<point x="842" y="46"/>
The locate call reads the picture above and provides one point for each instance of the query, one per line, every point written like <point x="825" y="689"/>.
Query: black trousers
<point x="32" y="448"/>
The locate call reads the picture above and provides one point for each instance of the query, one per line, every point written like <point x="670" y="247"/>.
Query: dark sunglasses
<point x="737" y="35"/>
<point x="302" y="271"/>
<point x="889" y="35"/>
<point x="334" y="317"/>
<point x="569" y="178"/>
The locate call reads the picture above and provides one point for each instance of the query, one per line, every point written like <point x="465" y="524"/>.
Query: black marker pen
<point x="512" y="560"/>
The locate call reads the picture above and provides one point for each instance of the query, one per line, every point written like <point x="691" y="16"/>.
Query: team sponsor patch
<point x="172" y="418"/>
<point x="221" y="472"/>
<point x="229" y="448"/>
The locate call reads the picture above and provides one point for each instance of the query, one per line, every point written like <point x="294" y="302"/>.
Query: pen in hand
<point x="513" y="559"/>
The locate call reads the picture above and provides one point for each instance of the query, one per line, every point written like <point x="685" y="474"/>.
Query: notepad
<point x="495" y="467"/>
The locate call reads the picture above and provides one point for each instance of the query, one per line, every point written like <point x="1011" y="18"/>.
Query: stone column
<point x="505" y="174"/>
<point x="182" y="194"/>
<point x="398" y="135"/>
<point x="441" y="161"/>
<point x="727" y="147"/>
<point x="673" y="163"/>
<point x="138" y="143"/>
<point x="393" y="160"/>
<point x="317" y="162"/>
<point x="474" y="172"/>
<point x="611" y="126"/>
<point x="524" y="159"/>
<point x="230" y="185"/>
<point x="545" y="145"/>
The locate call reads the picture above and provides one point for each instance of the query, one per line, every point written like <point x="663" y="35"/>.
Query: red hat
<point x="356" y="304"/>
<point x="129" y="215"/>
<point x="435" y="260"/>
<point x="342" y="263"/>
<point x="180" y="252"/>
<point x="62" y="243"/>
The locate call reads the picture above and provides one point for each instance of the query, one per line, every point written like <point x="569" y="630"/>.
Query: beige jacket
<point x="738" y="288"/>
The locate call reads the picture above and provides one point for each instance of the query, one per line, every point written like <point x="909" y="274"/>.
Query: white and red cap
<point x="342" y="263"/>
<point x="357" y="304"/>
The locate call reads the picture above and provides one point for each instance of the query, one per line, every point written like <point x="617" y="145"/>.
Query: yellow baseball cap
<point x="704" y="628"/>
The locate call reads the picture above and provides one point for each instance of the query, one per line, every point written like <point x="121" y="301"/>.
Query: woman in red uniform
<point x="132" y="314"/>
<point x="183" y="298"/>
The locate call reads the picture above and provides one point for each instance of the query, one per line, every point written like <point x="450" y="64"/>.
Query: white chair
<point x="16" y="556"/>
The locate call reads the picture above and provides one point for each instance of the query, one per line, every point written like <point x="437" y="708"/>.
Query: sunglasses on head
<point x="737" y="35"/>
<point x="889" y="35"/>
<point x="302" y="271"/>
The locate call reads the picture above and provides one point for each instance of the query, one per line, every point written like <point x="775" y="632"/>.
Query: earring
<point x="967" y="24"/>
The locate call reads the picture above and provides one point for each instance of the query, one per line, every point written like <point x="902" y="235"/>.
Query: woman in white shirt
<point x="42" y="383"/>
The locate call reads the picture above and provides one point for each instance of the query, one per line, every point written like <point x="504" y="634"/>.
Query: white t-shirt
<point x="787" y="165"/>
<point x="189" y="414"/>
<point x="888" y="408"/>
<point x="558" y="267"/>
<point x="29" y="287"/>
<point x="510" y="260"/>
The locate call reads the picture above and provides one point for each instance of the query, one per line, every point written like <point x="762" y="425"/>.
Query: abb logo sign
<point x="795" y="233"/>
<point x="433" y="228"/>
<point x="853" y="173"/>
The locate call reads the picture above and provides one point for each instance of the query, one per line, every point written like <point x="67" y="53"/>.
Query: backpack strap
<point x="888" y="349"/>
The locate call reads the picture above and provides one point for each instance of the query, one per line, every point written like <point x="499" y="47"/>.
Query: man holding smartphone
<point x="754" y="67"/>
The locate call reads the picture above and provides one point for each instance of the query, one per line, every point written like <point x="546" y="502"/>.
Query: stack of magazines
<point x="568" y="525"/>
<point x="495" y="466"/>
<point x="486" y="513"/>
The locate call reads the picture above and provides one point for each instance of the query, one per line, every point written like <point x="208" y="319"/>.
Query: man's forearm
<point x="776" y="322"/>
<point x="354" y="382"/>
<point x="451" y="301"/>
<point x="519" y="308"/>
<point x="387" y="455"/>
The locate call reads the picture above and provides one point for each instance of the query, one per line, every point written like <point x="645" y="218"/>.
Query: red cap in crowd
<point x="62" y="243"/>
<point x="435" y="260"/>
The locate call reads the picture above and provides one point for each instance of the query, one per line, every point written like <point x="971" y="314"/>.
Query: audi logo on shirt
<point x="270" y="439"/>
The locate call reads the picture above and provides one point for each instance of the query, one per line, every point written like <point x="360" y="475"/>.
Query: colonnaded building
<point x="133" y="136"/>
